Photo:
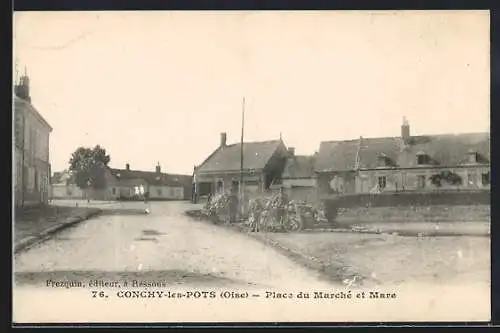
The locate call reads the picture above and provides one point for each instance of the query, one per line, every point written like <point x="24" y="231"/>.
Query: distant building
<point x="128" y="184"/>
<point x="61" y="187"/>
<point x="263" y="163"/>
<point x="298" y="171"/>
<point x="31" y="149"/>
<point x="298" y="177"/>
<point x="405" y="163"/>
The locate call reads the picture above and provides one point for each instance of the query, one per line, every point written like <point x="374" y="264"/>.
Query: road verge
<point x="29" y="241"/>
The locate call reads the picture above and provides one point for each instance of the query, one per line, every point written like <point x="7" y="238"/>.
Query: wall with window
<point x="215" y="183"/>
<point x="32" y="166"/>
<point x="166" y="192"/>
<point x="425" y="179"/>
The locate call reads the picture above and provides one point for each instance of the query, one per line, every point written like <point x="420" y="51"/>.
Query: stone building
<point x="404" y="163"/>
<point x="31" y="149"/>
<point x="263" y="163"/>
<point x="126" y="184"/>
<point x="129" y="184"/>
<point x="298" y="177"/>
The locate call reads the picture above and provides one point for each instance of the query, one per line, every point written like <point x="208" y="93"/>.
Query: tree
<point x="88" y="167"/>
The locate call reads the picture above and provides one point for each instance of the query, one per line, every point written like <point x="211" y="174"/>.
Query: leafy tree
<point x="88" y="167"/>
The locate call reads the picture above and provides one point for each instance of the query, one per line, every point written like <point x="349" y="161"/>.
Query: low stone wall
<point x="437" y="213"/>
<point x="426" y="207"/>
<point x="411" y="199"/>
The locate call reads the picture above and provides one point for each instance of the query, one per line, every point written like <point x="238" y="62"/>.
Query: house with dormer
<point x="404" y="163"/>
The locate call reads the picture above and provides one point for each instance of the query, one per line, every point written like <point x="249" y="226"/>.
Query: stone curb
<point x="27" y="242"/>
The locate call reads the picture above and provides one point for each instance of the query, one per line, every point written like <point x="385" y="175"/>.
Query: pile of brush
<point x="217" y="207"/>
<point x="279" y="214"/>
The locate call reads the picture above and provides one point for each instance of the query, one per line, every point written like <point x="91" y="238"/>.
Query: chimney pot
<point x="405" y="129"/>
<point x="223" y="139"/>
<point x="158" y="168"/>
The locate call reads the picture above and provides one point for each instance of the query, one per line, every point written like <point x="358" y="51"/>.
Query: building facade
<point x="31" y="170"/>
<point x="298" y="178"/>
<point x="405" y="163"/>
<point x="127" y="184"/>
<point x="263" y="163"/>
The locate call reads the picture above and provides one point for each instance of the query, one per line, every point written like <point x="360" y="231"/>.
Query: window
<point x="470" y="179"/>
<point x="18" y="129"/>
<point x="34" y="179"/>
<point x="220" y="186"/>
<point x="113" y="190"/>
<point x="485" y="178"/>
<point x="420" y="181"/>
<point x="382" y="182"/>
<point x="158" y="192"/>
<point x="421" y="159"/>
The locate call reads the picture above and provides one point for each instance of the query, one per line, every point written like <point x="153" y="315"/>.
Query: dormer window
<point x="472" y="156"/>
<point x="384" y="160"/>
<point x="422" y="158"/>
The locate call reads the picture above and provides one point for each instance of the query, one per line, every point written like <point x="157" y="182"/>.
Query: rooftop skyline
<point x="162" y="86"/>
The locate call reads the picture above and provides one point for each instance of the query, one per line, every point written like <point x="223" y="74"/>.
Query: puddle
<point x="152" y="232"/>
<point x="151" y="239"/>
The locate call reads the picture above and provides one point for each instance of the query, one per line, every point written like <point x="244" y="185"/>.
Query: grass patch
<point x="393" y="260"/>
<point x="32" y="222"/>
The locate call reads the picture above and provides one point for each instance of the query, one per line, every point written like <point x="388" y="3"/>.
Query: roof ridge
<point x="265" y="141"/>
<point x="413" y="136"/>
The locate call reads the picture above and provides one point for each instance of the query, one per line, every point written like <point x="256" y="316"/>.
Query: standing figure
<point x="282" y="202"/>
<point x="233" y="206"/>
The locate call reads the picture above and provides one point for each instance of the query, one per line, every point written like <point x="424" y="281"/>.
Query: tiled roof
<point x="299" y="167"/>
<point x="151" y="177"/>
<point x="445" y="150"/>
<point x="255" y="156"/>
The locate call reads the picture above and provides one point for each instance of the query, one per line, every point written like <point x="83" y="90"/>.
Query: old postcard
<point x="316" y="166"/>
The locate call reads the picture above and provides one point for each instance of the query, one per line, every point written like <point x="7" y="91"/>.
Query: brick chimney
<point x="405" y="130"/>
<point x="158" y="168"/>
<point x="223" y="139"/>
<point x="22" y="88"/>
<point x="127" y="166"/>
<point x="291" y="151"/>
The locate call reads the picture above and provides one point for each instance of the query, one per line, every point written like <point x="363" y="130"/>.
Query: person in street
<point x="233" y="206"/>
<point x="281" y="204"/>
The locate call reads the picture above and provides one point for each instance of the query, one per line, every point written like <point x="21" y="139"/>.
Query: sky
<point x="161" y="86"/>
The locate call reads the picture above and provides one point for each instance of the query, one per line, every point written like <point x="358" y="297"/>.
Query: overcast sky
<point x="161" y="86"/>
